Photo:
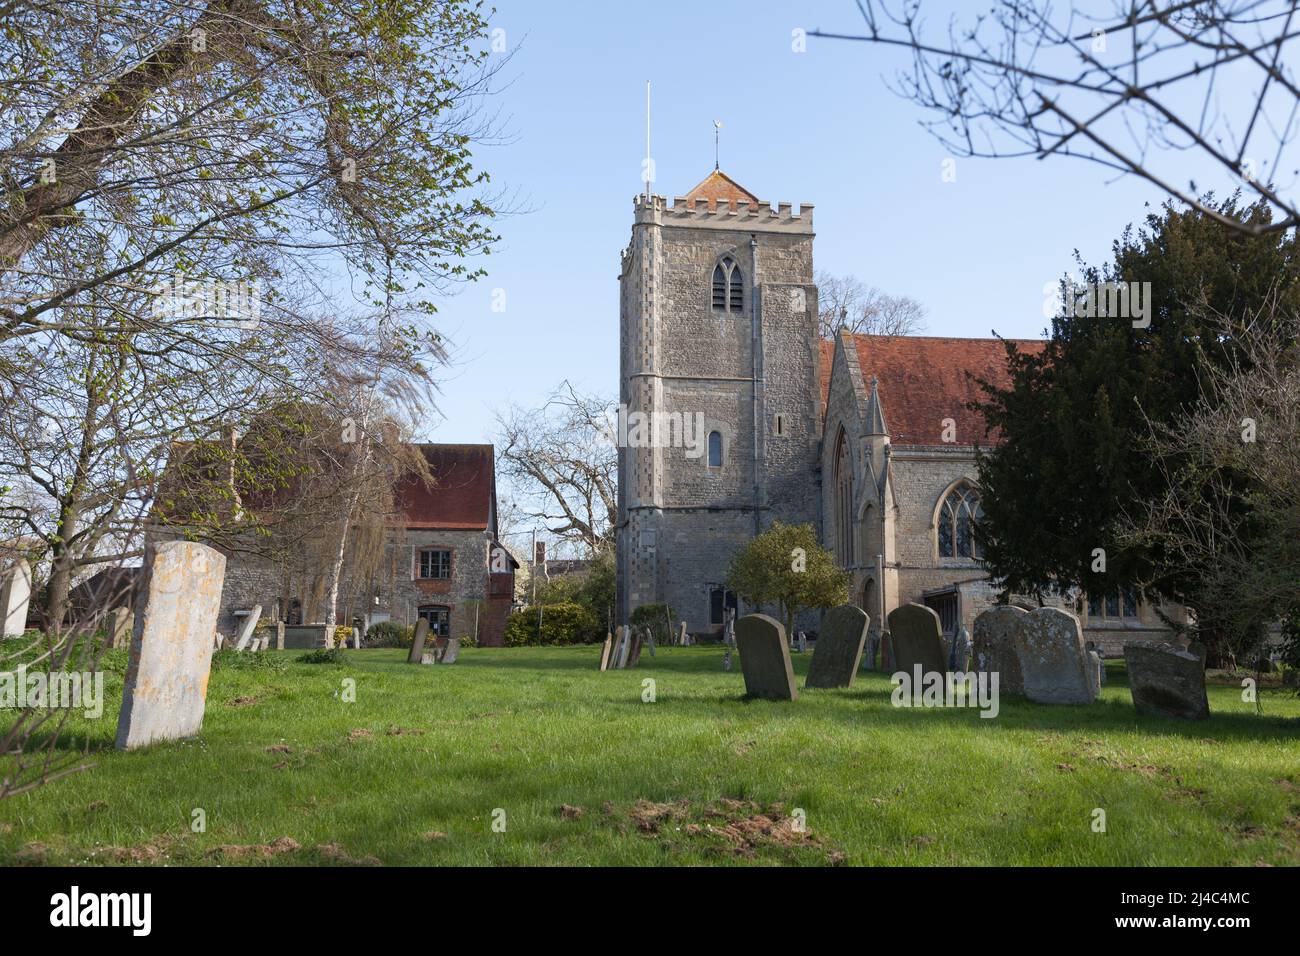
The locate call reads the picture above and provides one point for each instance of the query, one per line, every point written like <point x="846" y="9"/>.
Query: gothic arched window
<point x="728" y="286"/>
<point x="955" y="523"/>
<point x="844" y="501"/>
<point x="715" y="449"/>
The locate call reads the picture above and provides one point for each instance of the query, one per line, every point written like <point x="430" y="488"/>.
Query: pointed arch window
<point x="955" y="524"/>
<point x="728" y="286"/>
<point x="844" y="501"/>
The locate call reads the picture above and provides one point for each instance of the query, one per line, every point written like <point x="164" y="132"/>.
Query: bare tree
<point x="563" y="462"/>
<point x="1231" y="515"/>
<point x="846" y="303"/>
<point x="1138" y="86"/>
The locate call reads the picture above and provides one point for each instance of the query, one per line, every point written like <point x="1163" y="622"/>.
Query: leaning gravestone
<point x="915" y="633"/>
<point x="417" y="641"/>
<point x="995" y="646"/>
<point x="605" y="650"/>
<point x="166" y="682"/>
<point x="1053" y="660"/>
<point x="682" y="639"/>
<point x="634" y="655"/>
<point x="15" y="593"/>
<point x="765" y="658"/>
<point x="839" y="648"/>
<point x="1167" y="680"/>
<point x="246" y="629"/>
<point x="451" y="651"/>
<point x="118" y="630"/>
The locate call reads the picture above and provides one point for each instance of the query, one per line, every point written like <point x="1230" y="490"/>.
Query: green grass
<point x="531" y="730"/>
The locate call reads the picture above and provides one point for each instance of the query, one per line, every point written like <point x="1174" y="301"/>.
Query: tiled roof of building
<point x="718" y="185"/>
<point x="923" y="380"/>
<point x="464" y="482"/>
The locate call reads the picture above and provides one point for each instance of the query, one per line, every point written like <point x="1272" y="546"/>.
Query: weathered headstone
<point x="605" y="650"/>
<point x="1101" y="663"/>
<point x="166" y="681"/>
<point x="765" y="658"/>
<point x="961" y="645"/>
<point x="1053" y="661"/>
<point x="279" y="635"/>
<point x="634" y="654"/>
<point x="915" y="633"/>
<point x="681" y="634"/>
<point x="428" y="657"/>
<point x="417" y="641"/>
<point x="15" y="593"/>
<point x="839" y="648"/>
<point x="246" y="629"/>
<point x="1167" y="680"/>
<point x="451" y="651"/>
<point x="1095" y="671"/>
<point x="118" y="624"/>
<point x="995" y="646"/>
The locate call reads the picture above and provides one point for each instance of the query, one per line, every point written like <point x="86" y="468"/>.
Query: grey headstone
<point x="166" y="683"/>
<point x="1167" y="680"/>
<point x="417" y="641"/>
<point x="634" y="654"/>
<point x="1053" y="660"/>
<point x="246" y="629"/>
<point x="765" y="658"/>
<point x="451" y="651"/>
<point x="15" y="593"/>
<point x="915" y="633"/>
<point x="1095" y="671"/>
<point x="961" y="645"/>
<point x="995" y="646"/>
<point x="682" y="637"/>
<point x="119" y="623"/>
<point x="605" y="650"/>
<point x="839" y="648"/>
<point x="428" y="657"/>
<point x="279" y="635"/>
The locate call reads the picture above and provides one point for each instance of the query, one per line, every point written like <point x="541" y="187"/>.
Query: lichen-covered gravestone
<point x="915" y="632"/>
<point x="417" y="641"/>
<point x="1053" y="659"/>
<point x="839" y="648"/>
<point x="166" y="683"/>
<point x="451" y="651"/>
<point x="994" y="649"/>
<point x="15" y="593"/>
<point x="1167" y="680"/>
<point x="765" y="658"/>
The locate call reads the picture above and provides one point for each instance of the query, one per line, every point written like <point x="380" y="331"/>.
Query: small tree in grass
<point x="786" y="566"/>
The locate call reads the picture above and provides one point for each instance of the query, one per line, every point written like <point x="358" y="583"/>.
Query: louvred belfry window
<point x="728" y="287"/>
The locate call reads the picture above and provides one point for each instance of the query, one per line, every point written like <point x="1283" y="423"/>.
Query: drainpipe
<point x="756" y="376"/>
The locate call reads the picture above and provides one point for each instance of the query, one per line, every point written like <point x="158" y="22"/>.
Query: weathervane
<point x="717" y="128"/>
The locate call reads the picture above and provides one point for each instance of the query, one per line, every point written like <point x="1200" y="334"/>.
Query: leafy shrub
<point x="652" y="616"/>
<point x="566" y="623"/>
<point x="388" y="634"/>
<point x="323" y="655"/>
<point x="342" y="635"/>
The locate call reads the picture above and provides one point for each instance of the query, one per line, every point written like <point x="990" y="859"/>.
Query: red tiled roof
<point x="463" y="486"/>
<point x="718" y="185"/>
<point x="923" y="379"/>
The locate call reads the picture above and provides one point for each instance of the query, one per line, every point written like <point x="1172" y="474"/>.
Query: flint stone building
<point x="868" y="438"/>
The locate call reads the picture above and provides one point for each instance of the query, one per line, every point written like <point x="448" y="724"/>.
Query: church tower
<point x="720" y="391"/>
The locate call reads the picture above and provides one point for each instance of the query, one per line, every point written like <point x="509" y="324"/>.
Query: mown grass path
<point x="588" y="773"/>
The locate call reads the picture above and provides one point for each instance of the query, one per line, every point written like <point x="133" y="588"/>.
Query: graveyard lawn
<point x="580" y="770"/>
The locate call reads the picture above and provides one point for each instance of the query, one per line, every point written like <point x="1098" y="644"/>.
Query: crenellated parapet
<point x="699" y="212"/>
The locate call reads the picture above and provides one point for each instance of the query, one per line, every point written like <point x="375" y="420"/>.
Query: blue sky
<point x="817" y="127"/>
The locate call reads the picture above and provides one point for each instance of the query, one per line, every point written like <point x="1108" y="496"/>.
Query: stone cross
<point x="839" y="648"/>
<point x="765" y="658"/>
<point x="166" y="681"/>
